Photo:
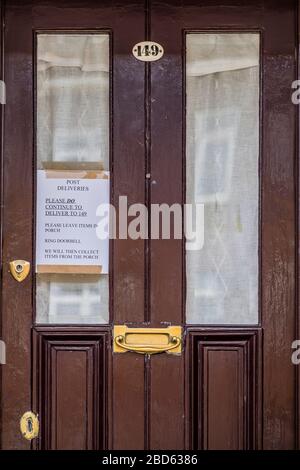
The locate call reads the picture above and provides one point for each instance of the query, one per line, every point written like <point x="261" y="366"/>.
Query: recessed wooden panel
<point x="71" y="370"/>
<point x="225" y="390"/>
<point x="223" y="370"/>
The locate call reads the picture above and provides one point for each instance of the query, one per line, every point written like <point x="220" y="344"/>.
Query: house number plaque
<point x="148" y="51"/>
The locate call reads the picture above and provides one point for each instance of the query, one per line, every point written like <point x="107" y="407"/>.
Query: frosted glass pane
<point x="222" y="151"/>
<point x="72" y="133"/>
<point x="73" y="98"/>
<point x="67" y="298"/>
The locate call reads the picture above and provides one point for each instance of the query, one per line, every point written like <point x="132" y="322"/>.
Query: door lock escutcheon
<point x="29" y="425"/>
<point x="19" y="269"/>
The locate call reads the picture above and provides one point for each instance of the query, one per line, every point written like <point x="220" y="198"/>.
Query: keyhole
<point x="29" y="425"/>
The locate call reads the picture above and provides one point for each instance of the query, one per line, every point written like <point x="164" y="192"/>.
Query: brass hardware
<point x="19" y="269"/>
<point x="29" y="425"/>
<point x="147" y="340"/>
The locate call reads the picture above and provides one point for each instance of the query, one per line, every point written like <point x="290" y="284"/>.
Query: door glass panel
<point x="72" y="134"/>
<point x="222" y="152"/>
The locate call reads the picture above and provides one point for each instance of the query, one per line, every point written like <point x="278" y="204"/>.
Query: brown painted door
<point x="211" y="122"/>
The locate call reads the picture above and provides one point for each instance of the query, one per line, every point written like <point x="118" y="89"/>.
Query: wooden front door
<point x="211" y="122"/>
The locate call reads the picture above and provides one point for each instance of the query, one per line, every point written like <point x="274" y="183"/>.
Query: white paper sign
<point x="67" y="222"/>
